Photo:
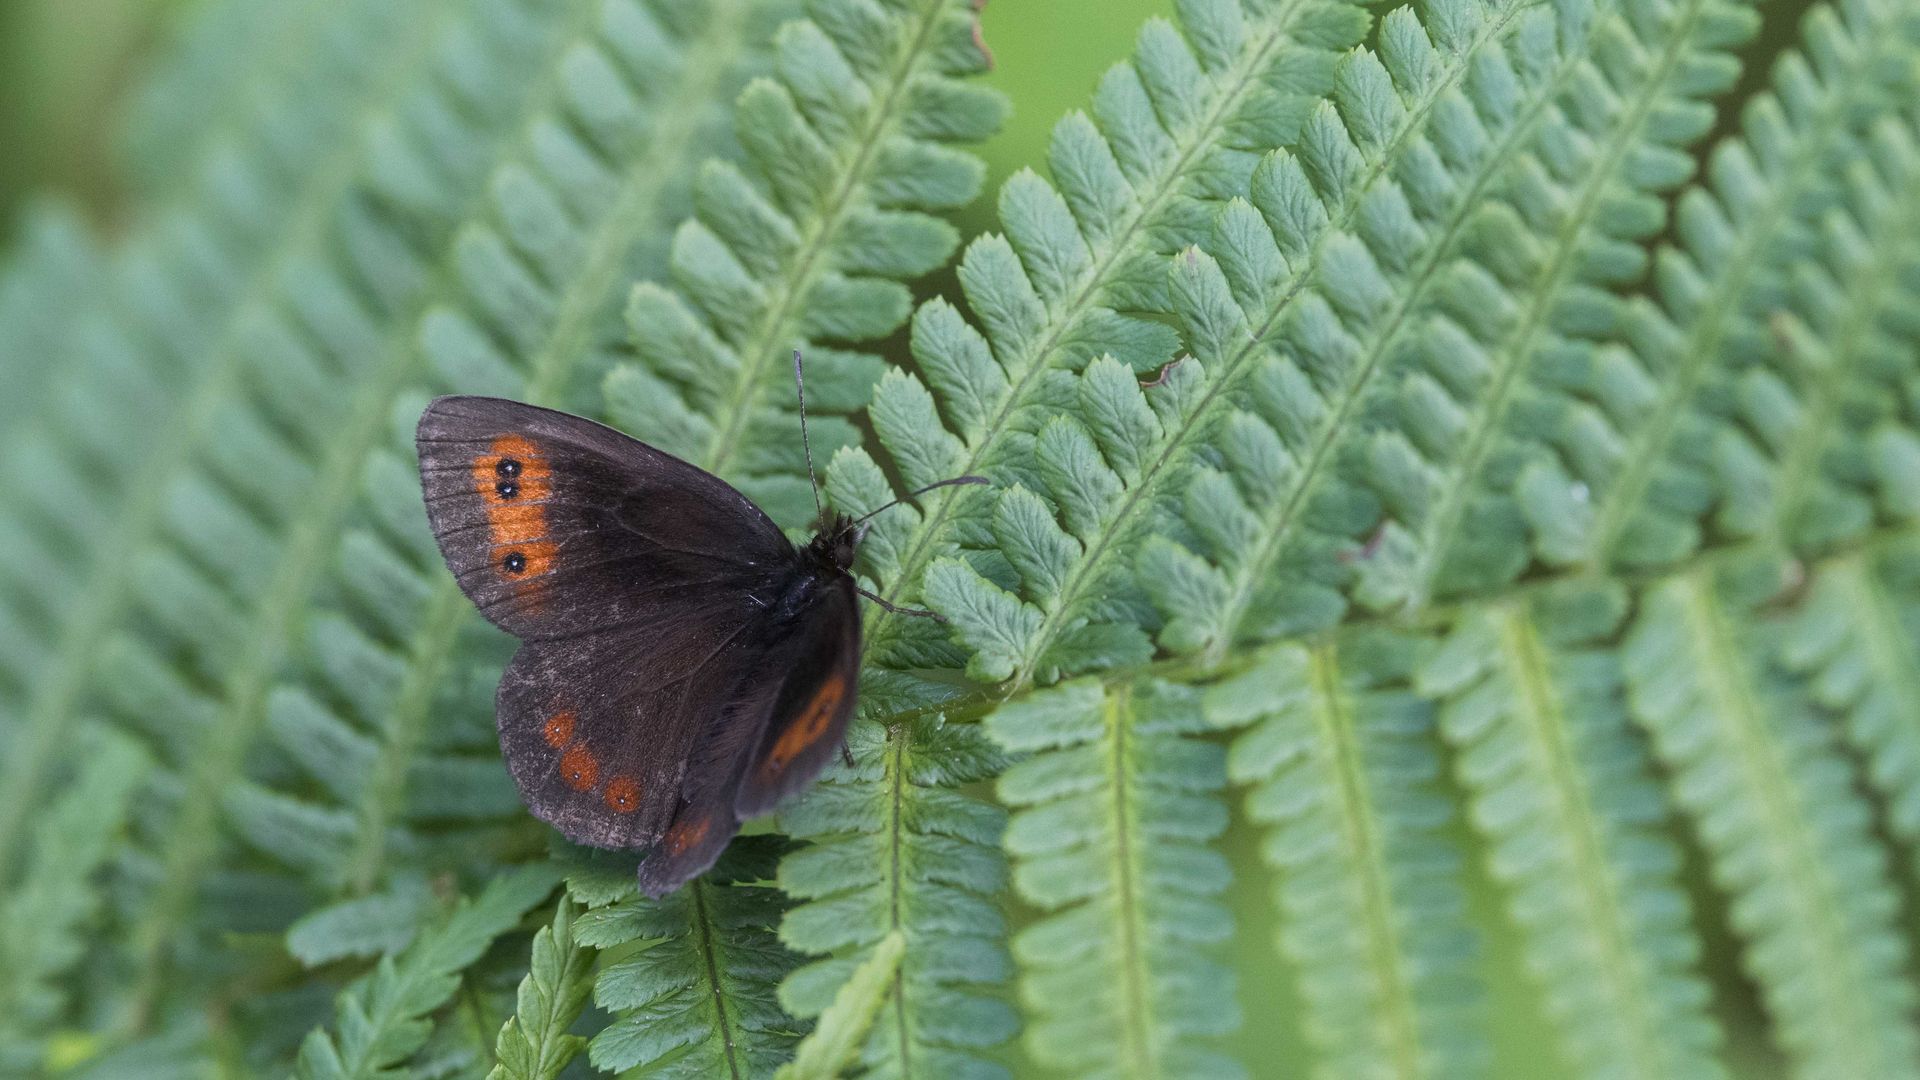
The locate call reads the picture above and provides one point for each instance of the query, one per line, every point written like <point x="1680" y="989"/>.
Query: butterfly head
<point x="835" y="542"/>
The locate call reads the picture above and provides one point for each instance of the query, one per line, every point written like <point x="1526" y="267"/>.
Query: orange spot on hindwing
<point x="622" y="795"/>
<point x="579" y="769"/>
<point x="686" y="834"/>
<point x="558" y="730"/>
<point x="812" y="723"/>
<point x="515" y="482"/>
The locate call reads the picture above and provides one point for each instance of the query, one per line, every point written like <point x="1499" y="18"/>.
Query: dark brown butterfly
<point x="683" y="665"/>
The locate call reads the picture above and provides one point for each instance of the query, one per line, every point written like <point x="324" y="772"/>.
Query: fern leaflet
<point x="1788" y="838"/>
<point x="1344" y="772"/>
<point x="384" y="1016"/>
<point x="1563" y="790"/>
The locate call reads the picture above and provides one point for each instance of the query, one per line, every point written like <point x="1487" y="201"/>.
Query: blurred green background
<point x="65" y="66"/>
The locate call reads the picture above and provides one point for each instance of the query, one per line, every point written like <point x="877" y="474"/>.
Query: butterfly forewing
<point x="555" y="525"/>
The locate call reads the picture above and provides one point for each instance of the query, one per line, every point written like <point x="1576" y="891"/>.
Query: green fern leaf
<point x="553" y="148"/>
<point x="1788" y="837"/>
<point x="52" y="270"/>
<point x="1344" y="771"/>
<point x="1168" y="130"/>
<point x="1721" y="419"/>
<point x="47" y="912"/>
<point x="831" y="1047"/>
<point x="1123" y="975"/>
<point x="148" y="356"/>
<point x="894" y="849"/>
<point x="534" y="1044"/>
<point x="1316" y="510"/>
<point x="699" y="1000"/>
<point x="370" y="926"/>
<point x="384" y="1017"/>
<point x="1853" y="644"/>
<point x="807" y="239"/>
<point x="1564" y="792"/>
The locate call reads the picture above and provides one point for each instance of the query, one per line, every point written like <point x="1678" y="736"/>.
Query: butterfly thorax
<point x="833" y="544"/>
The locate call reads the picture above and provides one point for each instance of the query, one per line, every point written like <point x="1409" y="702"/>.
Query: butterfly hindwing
<point x="780" y="733"/>
<point x="555" y="525"/>
<point x="809" y="717"/>
<point x="599" y="729"/>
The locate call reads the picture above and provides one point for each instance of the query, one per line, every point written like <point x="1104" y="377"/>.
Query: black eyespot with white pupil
<point x="508" y="468"/>
<point x="514" y="563"/>
<point x="506" y="489"/>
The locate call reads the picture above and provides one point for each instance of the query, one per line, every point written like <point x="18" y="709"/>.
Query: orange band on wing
<point x="515" y="481"/>
<point x="813" y="722"/>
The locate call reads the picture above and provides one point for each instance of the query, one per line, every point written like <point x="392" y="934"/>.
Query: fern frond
<point x="52" y="269"/>
<point x="1342" y="763"/>
<point x="368" y="927"/>
<point x="698" y="1000"/>
<point x="1853" y="643"/>
<point x="147" y="361"/>
<point x="894" y="848"/>
<point x="831" y="1048"/>
<point x="45" y="914"/>
<point x="1563" y="789"/>
<point x="1789" y="838"/>
<point x="220" y="74"/>
<point x="1852" y="351"/>
<point x="810" y="238"/>
<point x="1115" y="812"/>
<point x="1723" y="397"/>
<point x="1492" y="230"/>
<point x="1178" y="126"/>
<point x="533" y="202"/>
<point x="534" y="1044"/>
<point x="530" y="300"/>
<point x="384" y="1017"/>
<point x="1666" y="62"/>
<point x="350" y="312"/>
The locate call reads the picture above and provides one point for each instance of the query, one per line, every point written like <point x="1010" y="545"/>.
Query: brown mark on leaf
<point x="1166" y="369"/>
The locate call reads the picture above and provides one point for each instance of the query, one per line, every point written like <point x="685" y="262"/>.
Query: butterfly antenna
<point x="917" y="492"/>
<point x="800" y="384"/>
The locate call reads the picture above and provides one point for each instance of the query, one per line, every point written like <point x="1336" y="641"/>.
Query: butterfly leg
<point x="846" y="754"/>
<point x="896" y="609"/>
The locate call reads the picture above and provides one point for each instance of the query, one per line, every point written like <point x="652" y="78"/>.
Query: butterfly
<point x="683" y="666"/>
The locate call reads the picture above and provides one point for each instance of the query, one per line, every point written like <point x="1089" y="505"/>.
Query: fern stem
<point x="704" y="941"/>
<point x="384" y="797"/>
<point x="110" y="589"/>
<point x="1139" y="1021"/>
<point x="1031" y="365"/>
<point x="896" y="779"/>
<point x="1398" y="1013"/>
